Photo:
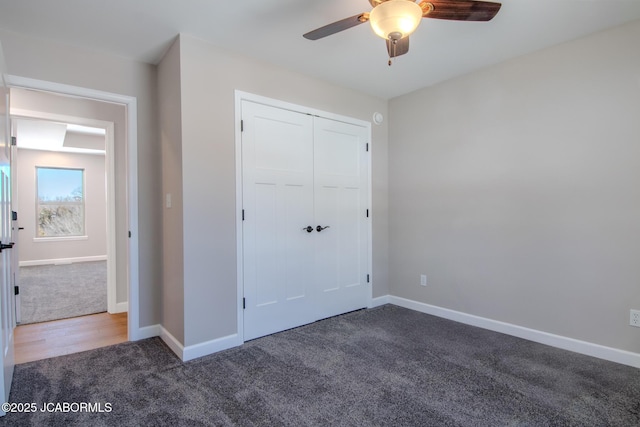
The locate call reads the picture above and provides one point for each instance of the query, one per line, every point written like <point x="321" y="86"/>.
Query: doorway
<point x="63" y="198"/>
<point x="125" y="189"/>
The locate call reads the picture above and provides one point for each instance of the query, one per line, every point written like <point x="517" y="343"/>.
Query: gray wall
<point x="54" y="62"/>
<point x="208" y="77"/>
<point x="169" y="96"/>
<point x="95" y="206"/>
<point x="515" y="189"/>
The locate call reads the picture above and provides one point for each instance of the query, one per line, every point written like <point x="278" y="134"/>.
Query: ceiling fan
<point x="395" y="20"/>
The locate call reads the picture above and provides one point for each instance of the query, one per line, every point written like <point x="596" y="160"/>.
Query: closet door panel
<point x="266" y="259"/>
<point x="340" y="183"/>
<point x="278" y="255"/>
<point x="298" y="244"/>
<point x="327" y="242"/>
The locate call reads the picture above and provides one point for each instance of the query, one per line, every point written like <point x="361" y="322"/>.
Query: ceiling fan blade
<point x="461" y="10"/>
<point x="401" y="47"/>
<point x="336" y="27"/>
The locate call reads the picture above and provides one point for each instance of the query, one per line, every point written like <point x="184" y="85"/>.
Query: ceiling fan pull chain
<point x="394" y="44"/>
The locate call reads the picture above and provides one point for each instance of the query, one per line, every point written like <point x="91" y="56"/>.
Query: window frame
<point x="83" y="233"/>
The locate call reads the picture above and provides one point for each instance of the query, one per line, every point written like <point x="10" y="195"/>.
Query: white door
<point x="277" y="155"/>
<point x="6" y="295"/>
<point x="299" y="173"/>
<point x="341" y="192"/>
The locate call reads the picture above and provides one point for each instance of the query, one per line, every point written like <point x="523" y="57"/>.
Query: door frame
<point x="246" y="96"/>
<point x="130" y="103"/>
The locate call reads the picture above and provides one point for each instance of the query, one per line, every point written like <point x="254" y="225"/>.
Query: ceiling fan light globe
<point x="395" y="16"/>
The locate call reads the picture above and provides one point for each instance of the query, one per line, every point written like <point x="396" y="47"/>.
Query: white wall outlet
<point x="634" y="319"/>
<point x="423" y="280"/>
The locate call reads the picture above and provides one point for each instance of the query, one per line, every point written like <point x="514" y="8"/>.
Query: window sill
<point x="59" y="239"/>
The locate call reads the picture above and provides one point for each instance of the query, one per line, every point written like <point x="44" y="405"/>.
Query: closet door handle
<point x="308" y="229"/>
<point x="320" y="228"/>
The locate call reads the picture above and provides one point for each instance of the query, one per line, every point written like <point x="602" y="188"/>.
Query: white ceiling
<point x="47" y="135"/>
<point x="272" y="30"/>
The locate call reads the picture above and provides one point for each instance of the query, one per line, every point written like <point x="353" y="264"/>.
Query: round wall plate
<point x="377" y="118"/>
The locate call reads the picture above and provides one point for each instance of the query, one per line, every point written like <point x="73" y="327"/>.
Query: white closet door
<point x="341" y="192"/>
<point x="277" y="156"/>
<point x="302" y="172"/>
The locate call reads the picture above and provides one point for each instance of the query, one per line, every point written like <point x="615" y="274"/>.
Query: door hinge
<point x="14" y="216"/>
<point x="244" y="303"/>
<point x="16" y="290"/>
<point x="243" y="214"/>
<point x="367" y="146"/>
<point x="367" y="278"/>
<point x="129" y="234"/>
<point x="367" y="213"/>
<point x="14" y="140"/>
<point x="241" y="125"/>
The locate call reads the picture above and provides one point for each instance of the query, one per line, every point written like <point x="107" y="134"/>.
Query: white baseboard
<point x="62" y="260"/>
<point x="190" y="352"/>
<point x="121" y="307"/>
<point x="590" y="349"/>
<point x="209" y="347"/>
<point x="377" y="302"/>
<point x="172" y="342"/>
<point x="147" y="332"/>
<point x="198" y="350"/>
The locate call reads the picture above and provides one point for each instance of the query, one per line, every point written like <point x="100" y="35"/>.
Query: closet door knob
<point x="320" y="228"/>
<point x="308" y="229"/>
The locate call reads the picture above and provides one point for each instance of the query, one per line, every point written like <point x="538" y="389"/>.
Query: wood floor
<point x="56" y="338"/>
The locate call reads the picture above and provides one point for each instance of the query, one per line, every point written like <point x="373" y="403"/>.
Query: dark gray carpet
<point x="50" y="292"/>
<point x="387" y="366"/>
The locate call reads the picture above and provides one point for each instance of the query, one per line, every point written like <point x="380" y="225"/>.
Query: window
<point x="60" y="202"/>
